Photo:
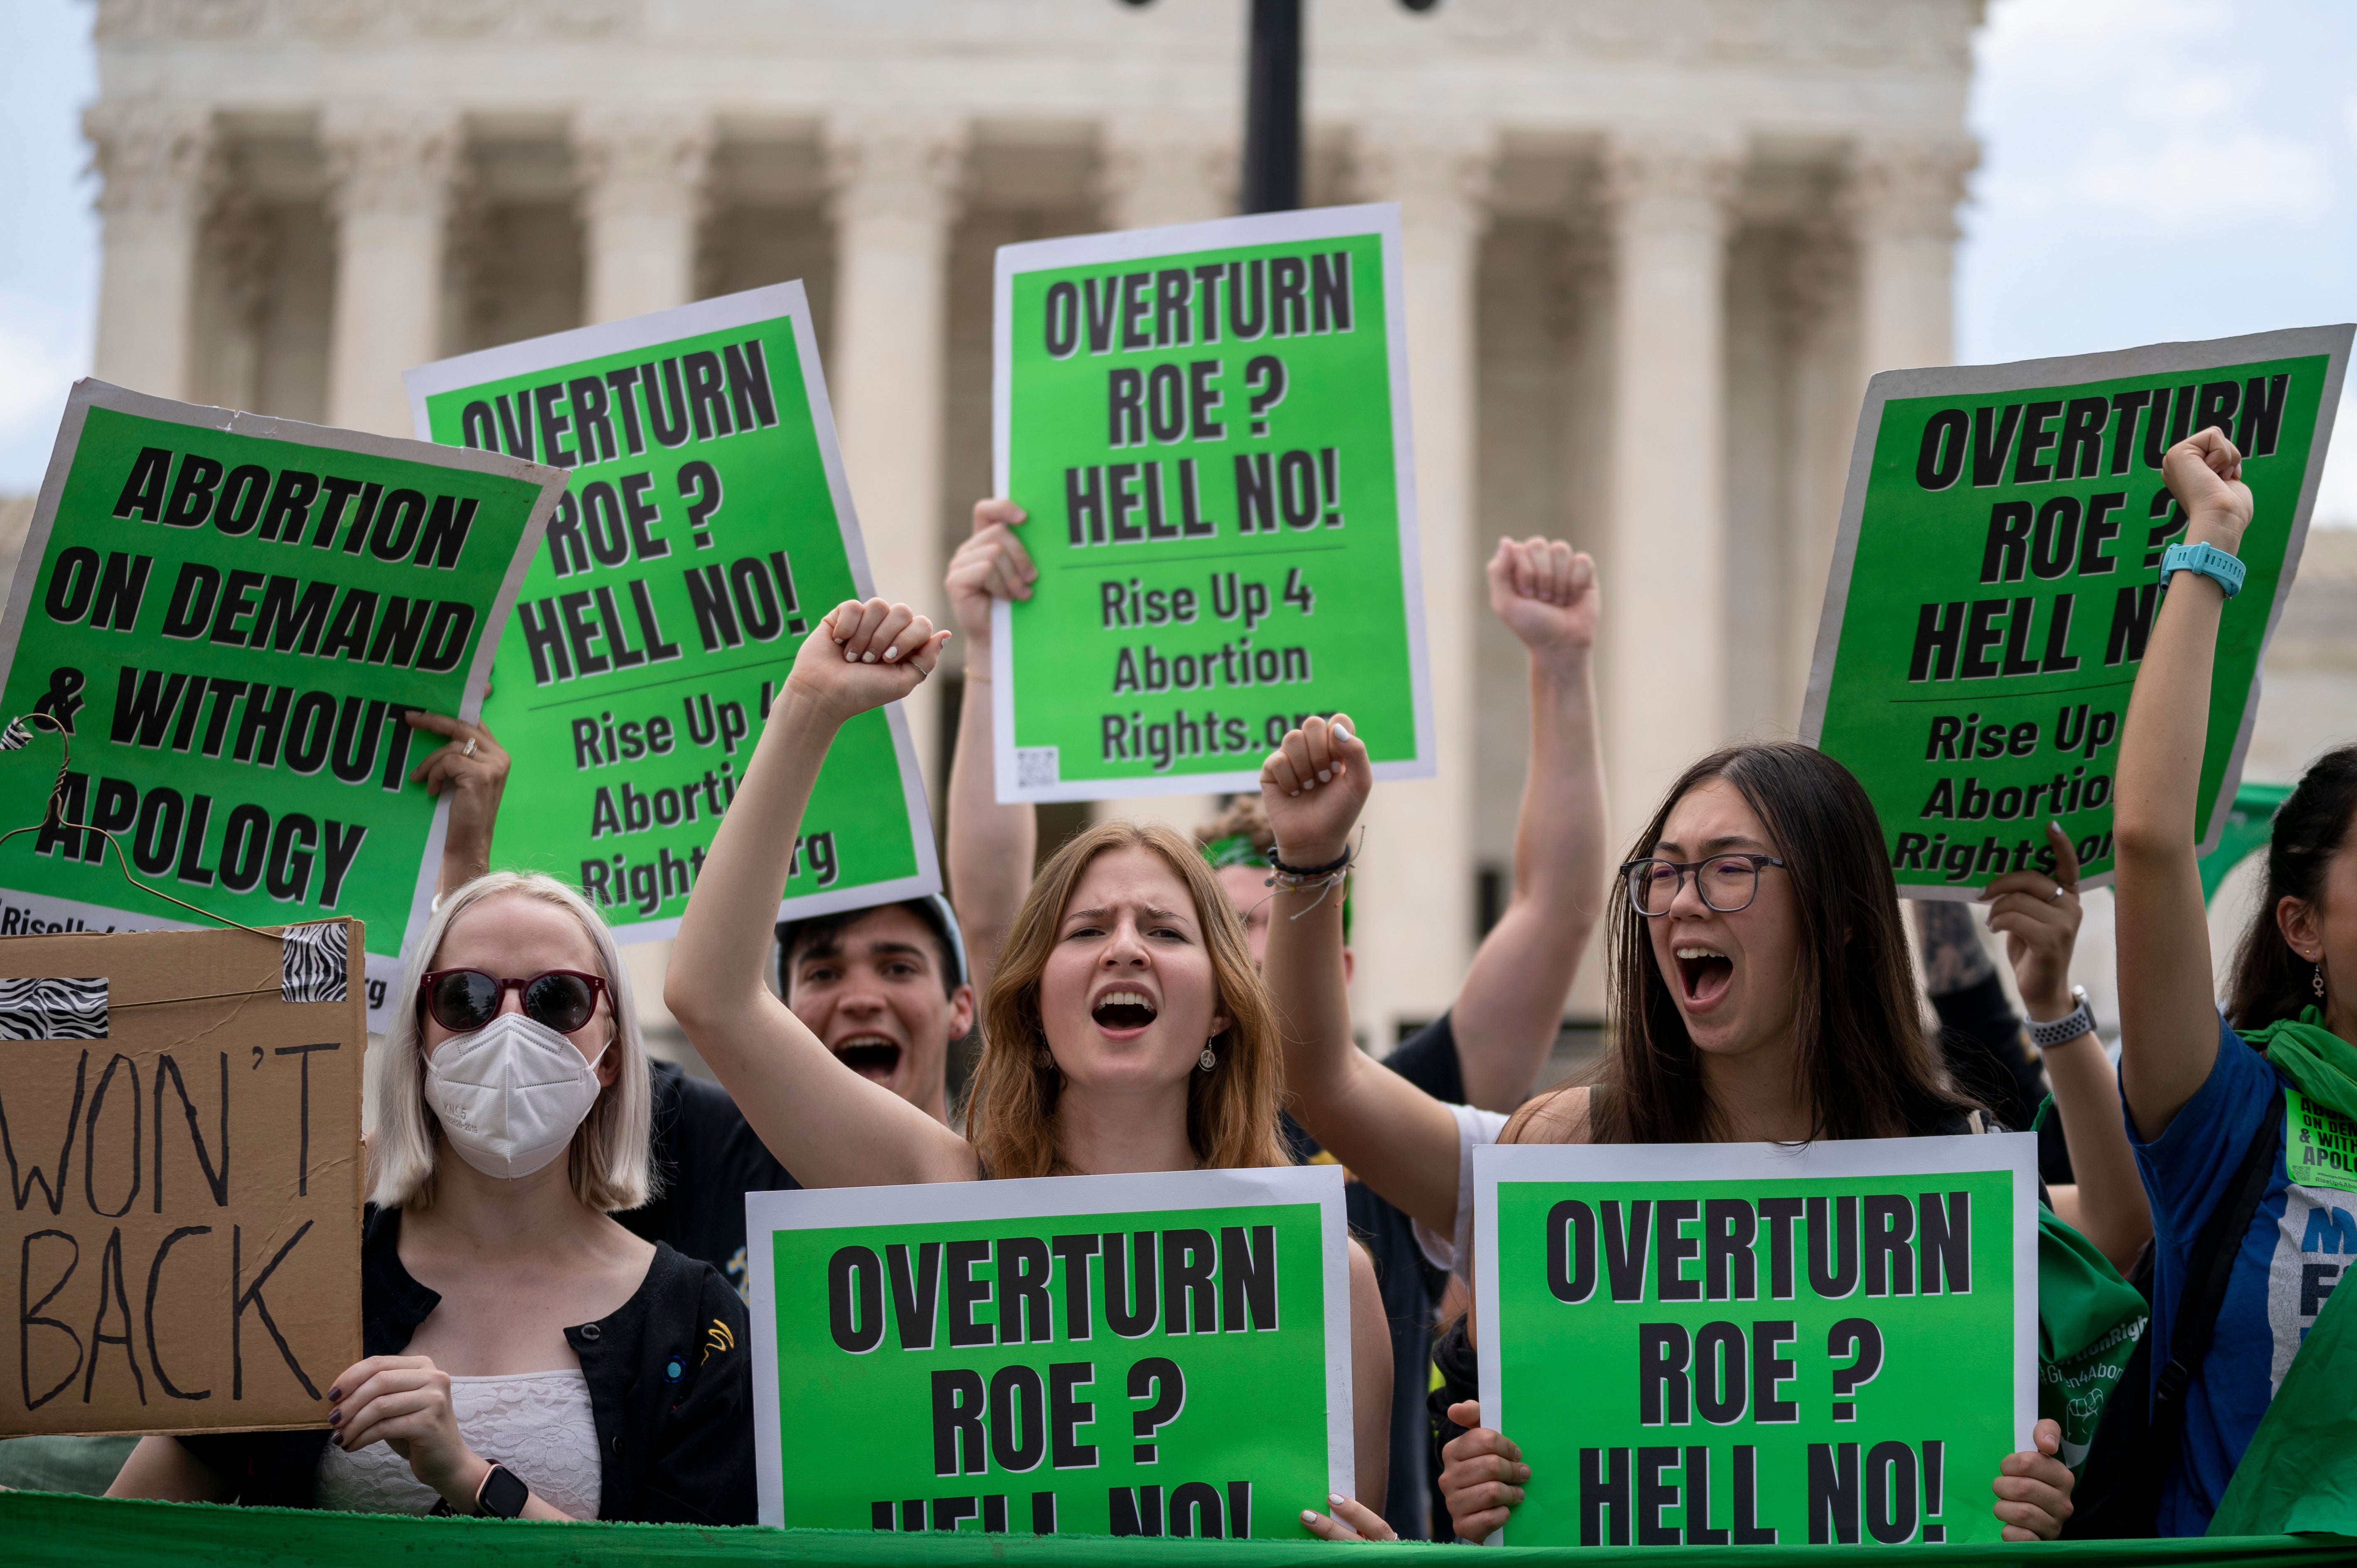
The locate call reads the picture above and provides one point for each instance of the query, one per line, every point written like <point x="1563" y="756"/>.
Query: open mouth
<point x="1705" y="973"/>
<point x="1118" y="1012"/>
<point x="870" y="1056"/>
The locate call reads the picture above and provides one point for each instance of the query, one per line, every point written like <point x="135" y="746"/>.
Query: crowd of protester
<point x="550" y="1327"/>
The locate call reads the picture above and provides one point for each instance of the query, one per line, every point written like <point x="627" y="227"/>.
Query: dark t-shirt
<point x="708" y="1158"/>
<point x="1411" y="1287"/>
<point x="1985" y="1047"/>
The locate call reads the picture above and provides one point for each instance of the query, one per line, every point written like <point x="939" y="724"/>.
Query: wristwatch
<point x="2206" y="559"/>
<point x="2080" y="1020"/>
<point x="502" y="1494"/>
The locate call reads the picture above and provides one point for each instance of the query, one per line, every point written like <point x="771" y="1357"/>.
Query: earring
<point x="1207" y="1061"/>
<point x="2320" y="983"/>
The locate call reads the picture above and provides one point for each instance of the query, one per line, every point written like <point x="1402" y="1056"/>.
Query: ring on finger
<point x="471" y="747"/>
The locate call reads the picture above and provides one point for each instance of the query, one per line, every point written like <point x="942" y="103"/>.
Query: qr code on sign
<point x="1035" y="767"/>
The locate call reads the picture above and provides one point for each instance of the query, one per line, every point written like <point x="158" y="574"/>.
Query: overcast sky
<point x="2151" y="169"/>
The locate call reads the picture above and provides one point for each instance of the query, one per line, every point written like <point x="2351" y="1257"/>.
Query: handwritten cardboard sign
<point x="180" y="1121"/>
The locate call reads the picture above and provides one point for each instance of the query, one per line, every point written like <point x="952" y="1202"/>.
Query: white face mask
<point x="510" y="1094"/>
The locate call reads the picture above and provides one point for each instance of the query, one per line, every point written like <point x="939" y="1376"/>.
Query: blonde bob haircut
<point x="610" y="1163"/>
<point x="1232" y="1111"/>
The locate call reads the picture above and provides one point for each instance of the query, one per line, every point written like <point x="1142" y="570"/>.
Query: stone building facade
<point x="1653" y="253"/>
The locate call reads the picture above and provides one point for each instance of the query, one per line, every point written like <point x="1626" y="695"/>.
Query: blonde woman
<point x="526" y="1355"/>
<point x="1125" y="1029"/>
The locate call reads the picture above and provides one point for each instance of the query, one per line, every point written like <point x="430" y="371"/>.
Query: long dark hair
<point x="1862" y="1057"/>
<point x="2271" y="982"/>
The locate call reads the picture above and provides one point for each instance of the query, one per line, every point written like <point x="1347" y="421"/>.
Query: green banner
<point x="1716" y="1345"/>
<point x="706" y="530"/>
<point x="1132" y="1355"/>
<point x="1997" y="572"/>
<point x="45" y="1529"/>
<point x="1208" y="426"/>
<point x="229" y="616"/>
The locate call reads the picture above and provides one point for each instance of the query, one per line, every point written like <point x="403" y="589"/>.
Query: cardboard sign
<point x="180" y="1115"/>
<point x="706" y="530"/>
<point x="1207" y="426"/>
<point x="1745" y="1344"/>
<point x="230" y="615"/>
<point x="1130" y="1355"/>
<point x="1997" y="572"/>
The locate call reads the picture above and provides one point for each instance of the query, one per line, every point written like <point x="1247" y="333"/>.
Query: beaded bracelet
<point x="1301" y="879"/>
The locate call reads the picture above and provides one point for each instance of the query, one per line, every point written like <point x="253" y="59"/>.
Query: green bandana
<point x="2320" y="1063"/>
<point x="1236" y="849"/>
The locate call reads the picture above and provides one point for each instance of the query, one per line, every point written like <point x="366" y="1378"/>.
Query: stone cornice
<point x="159" y="158"/>
<point x="1915" y="35"/>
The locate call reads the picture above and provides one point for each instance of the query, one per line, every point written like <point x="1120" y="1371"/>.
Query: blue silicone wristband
<point x="2207" y="560"/>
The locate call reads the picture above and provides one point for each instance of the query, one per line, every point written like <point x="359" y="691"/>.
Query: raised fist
<point x="1546" y="595"/>
<point x="863" y="656"/>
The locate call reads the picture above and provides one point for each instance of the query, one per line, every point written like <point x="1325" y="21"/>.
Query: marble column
<point x="1665" y="647"/>
<point x="643" y="199"/>
<point x="1415" y="911"/>
<point x="158" y="174"/>
<point x="1902" y="202"/>
<point x="895" y="182"/>
<point x="392" y="172"/>
<point x="1158" y="170"/>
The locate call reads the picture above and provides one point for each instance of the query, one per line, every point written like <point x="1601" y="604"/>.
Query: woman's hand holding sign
<point x="1481" y="1475"/>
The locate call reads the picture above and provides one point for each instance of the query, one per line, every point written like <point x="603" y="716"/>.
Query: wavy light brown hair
<point x="1861" y="1054"/>
<point x="1232" y="1111"/>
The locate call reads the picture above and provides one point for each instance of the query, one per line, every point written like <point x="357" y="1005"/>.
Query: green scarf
<point x="1236" y="849"/>
<point x="2320" y="1063"/>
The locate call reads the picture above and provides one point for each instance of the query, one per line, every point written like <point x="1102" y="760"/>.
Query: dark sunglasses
<point x="462" y="1000"/>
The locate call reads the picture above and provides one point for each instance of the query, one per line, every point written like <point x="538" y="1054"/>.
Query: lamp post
<point x="1272" y="181"/>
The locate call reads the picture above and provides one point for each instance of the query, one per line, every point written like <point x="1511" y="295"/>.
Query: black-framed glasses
<point x="464" y="1000"/>
<point x="1728" y="883"/>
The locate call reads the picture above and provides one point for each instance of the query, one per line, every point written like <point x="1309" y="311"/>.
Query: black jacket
<point x="671" y="1389"/>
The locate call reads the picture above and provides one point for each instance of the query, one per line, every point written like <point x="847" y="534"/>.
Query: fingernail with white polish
<point x="1324" y="774"/>
<point x="891" y="653"/>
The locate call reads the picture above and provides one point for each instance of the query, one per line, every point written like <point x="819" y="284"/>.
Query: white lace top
<point x="539" y="1424"/>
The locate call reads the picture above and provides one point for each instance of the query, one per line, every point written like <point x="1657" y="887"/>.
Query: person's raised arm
<point x="824" y="1123"/>
<point x="991" y="846"/>
<point x="1510" y="1008"/>
<point x="473" y="768"/>
<point x="2168" y="1027"/>
<point x="2039" y="917"/>
<point x="1394" y="1137"/>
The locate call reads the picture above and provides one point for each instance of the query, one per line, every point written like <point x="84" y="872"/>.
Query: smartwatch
<point x="502" y="1494"/>
<point x="2080" y="1020"/>
<point x="2206" y="559"/>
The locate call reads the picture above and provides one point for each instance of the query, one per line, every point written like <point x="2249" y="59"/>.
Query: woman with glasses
<point x="1760" y="989"/>
<point x="525" y="1356"/>
<point x="1124" y="1028"/>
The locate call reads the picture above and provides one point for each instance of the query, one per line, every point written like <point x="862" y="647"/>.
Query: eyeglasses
<point x="1728" y="883"/>
<point x="463" y="1000"/>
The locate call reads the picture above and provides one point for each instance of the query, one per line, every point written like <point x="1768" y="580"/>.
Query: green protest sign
<point x="706" y="530"/>
<point x="1129" y="1354"/>
<point x="1745" y="1344"/>
<point x="1998" y="571"/>
<point x="229" y="616"/>
<point x="1207" y="426"/>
